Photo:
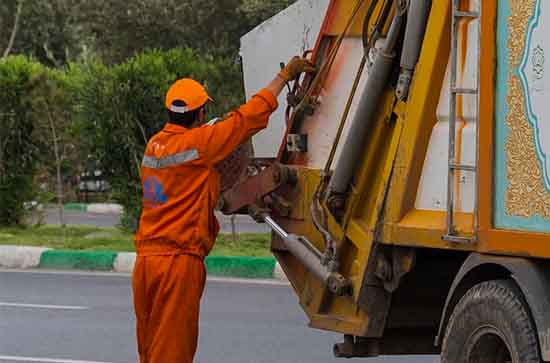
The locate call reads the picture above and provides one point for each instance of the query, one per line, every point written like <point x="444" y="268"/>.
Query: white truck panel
<point x="285" y="35"/>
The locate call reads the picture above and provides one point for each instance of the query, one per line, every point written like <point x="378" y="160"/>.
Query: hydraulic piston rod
<point x="414" y="38"/>
<point x="366" y="112"/>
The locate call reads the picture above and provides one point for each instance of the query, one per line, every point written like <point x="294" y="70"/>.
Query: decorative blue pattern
<point x="532" y="117"/>
<point x="501" y="219"/>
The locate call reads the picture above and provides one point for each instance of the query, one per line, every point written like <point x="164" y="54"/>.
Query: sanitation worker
<point x="178" y="228"/>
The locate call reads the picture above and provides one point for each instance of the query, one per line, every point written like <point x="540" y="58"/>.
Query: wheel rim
<point x="488" y="345"/>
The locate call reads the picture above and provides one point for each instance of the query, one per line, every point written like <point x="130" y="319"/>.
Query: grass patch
<point x="91" y="238"/>
<point x="255" y="245"/>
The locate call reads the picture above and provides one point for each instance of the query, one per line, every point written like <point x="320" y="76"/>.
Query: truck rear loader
<point x="410" y="197"/>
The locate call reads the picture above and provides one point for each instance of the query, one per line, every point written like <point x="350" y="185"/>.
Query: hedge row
<point x="113" y="110"/>
<point x="18" y="146"/>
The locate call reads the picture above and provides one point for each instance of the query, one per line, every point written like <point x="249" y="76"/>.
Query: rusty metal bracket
<point x="392" y="269"/>
<point x="280" y="205"/>
<point x="296" y="143"/>
<point x="357" y="347"/>
<point x="252" y="190"/>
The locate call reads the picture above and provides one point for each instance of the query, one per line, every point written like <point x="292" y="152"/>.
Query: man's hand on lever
<point x="290" y="72"/>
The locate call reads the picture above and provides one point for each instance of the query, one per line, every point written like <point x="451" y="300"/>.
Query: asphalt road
<point x="244" y="224"/>
<point x="51" y="216"/>
<point x="76" y="318"/>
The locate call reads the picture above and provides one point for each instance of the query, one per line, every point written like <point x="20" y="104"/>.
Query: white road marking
<point x="40" y="306"/>
<point x="43" y="360"/>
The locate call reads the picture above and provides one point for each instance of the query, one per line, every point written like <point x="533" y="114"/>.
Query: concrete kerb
<point x="124" y="262"/>
<point x="77" y="260"/>
<point x="97" y="208"/>
<point x="242" y="267"/>
<point x="36" y="257"/>
<point x="278" y="273"/>
<point x="105" y="208"/>
<point x="80" y="207"/>
<point x="20" y="257"/>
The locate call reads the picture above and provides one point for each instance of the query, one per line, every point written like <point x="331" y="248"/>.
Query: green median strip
<point x="80" y="260"/>
<point x="80" y="207"/>
<point x="244" y="267"/>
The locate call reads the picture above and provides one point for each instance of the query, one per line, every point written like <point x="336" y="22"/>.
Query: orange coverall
<point x="178" y="227"/>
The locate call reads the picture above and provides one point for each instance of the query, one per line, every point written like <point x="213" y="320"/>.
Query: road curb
<point x="21" y="257"/>
<point x="278" y="273"/>
<point x="77" y="260"/>
<point x="223" y="266"/>
<point x="104" y="208"/>
<point x="124" y="262"/>
<point x="80" y="207"/>
<point x="96" y="208"/>
<point x="242" y="267"/>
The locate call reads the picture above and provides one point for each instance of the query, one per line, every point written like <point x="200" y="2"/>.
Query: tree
<point x="19" y="149"/>
<point x="257" y="11"/>
<point x="52" y="99"/>
<point x="122" y="29"/>
<point x="57" y="32"/>
<point x="15" y="28"/>
<point x="48" y="30"/>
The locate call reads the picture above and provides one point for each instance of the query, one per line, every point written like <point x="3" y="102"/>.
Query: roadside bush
<point x="53" y="120"/>
<point x="120" y="108"/>
<point x="19" y="149"/>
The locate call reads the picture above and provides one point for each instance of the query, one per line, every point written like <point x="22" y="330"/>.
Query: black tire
<point x="491" y="324"/>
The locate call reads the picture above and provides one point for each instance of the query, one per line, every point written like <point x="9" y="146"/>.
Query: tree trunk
<point x="15" y="29"/>
<point x="59" y="177"/>
<point x="60" y="191"/>
<point x="234" y="230"/>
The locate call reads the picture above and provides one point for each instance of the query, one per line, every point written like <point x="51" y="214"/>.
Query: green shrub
<point x="122" y="107"/>
<point x="19" y="149"/>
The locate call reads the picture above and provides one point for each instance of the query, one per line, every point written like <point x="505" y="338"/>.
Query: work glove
<point x="295" y="67"/>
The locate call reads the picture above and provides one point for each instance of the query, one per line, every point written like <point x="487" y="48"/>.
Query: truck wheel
<point x="491" y="324"/>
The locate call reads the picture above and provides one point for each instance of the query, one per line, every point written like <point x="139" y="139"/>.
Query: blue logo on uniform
<point x="153" y="191"/>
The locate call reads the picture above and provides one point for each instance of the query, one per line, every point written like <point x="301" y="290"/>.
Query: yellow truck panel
<point x="413" y="216"/>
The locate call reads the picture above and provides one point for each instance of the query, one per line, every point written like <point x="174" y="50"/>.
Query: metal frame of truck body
<point x="405" y="278"/>
<point x="397" y="148"/>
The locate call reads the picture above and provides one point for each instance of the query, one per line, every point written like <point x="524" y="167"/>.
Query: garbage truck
<point x="409" y="200"/>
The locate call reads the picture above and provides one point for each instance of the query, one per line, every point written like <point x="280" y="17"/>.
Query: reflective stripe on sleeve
<point x="171" y="160"/>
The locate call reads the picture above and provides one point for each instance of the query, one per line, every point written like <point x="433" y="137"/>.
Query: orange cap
<point x="189" y="91"/>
